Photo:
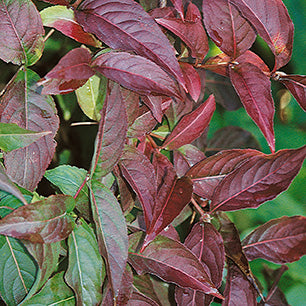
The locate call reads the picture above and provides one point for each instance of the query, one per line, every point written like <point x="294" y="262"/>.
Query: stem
<point x="83" y="123"/>
<point x="204" y="216"/>
<point x="277" y="279"/>
<point x="157" y="136"/>
<point x="49" y="34"/>
<point x="81" y="187"/>
<point x="152" y="142"/>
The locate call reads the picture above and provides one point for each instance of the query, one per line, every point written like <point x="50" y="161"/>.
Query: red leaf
<point x="280" y="240"/>
<point x="271" y="20"/>
<point x="123" y="24"/>
<point x="297" y="86"/>
<point x="254" y="59"/>
<point x="218" y="64"/>
<point x="254" y="89"/>
<point x="178" y="4"/>
<point x="259" y="179"/>
<point x="126" y="289"/>
<point x="21" y="104"/>
<point x="59" y="2"/>
<point x="138" y="299"/>
<point x="136" y="73"/>
<point x="140" y="174"/>
<point x="191" y="31"/>
<point x="207" y="174"/>
<point x="131" y="101"/>
<point x="191" y="126"/>
<point x="154" y="103"/>
<point x="21" y="32"/>
<point x="43" y="221"/>
<point x="238" y="290"/>
<point x="111" y="135"/>
<point x="232" y="33"/>
<point x="173" y="262"/>
<point x="71" y="72"/>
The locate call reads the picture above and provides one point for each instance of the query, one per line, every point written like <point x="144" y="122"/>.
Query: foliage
<point x="147" y="223"/>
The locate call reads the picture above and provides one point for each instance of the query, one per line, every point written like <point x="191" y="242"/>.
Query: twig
<point x="48" y="35"/>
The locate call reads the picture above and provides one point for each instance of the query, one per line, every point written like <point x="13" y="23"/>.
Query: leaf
<point x="154" y="103"/>
<point x="207" y="244"/>
<point x="280" y="240"/>
<point x="21" y="34"/>
<point x="138" y="299"/>
<point x="140" y="174"/>
<point x="232" y="33"/>
<point x="126" y="289"/>
<point x="173" y="262"/>
<point x="296" y="84"/>
<point x="111" y="136"/>
<point x="59" y="2"/>
<point x="85" y="273"/>
<point x="135" y="73"/>
<point x="276" y="31"/>
<point x="71" y="72"/>
<point x="21" y="104"/>
<point x="9" y="187"/>
<point x="62" y="19"/>
<point x="43" y="221"/>
<point x="207" y="173"/>
<point x="191" y="31"/>
<point x="131" y="101"/>
<point x="256" y="97"/>
<point x="123" y="24"/>
<point x="238" y="290"/>
<point x="259" y="179"/>
<point x="13" y="137"/>
<point x="191" y="126"/>
<point x="111" y="232"/>
<point x="55" y="292"/>
<point x="17" y="271"/>
<point x="178" y="4"/>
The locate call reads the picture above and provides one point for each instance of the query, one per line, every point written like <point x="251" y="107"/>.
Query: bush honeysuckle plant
<point x="109" y="235"/>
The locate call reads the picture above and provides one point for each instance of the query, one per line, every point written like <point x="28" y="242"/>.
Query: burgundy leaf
<point x="44" y="221"/>
<point x="178" y="4"/>
<point x="280" y="240"/>
<point x="71" y="72"/>
<point x="123" y="24"/>
<point x="59" y="2"/>
<point x="138" y="299"/>
<point x="131" y="101"/>
<point x="193" y="80"/>
<point x="21" y="104"/>
<point x="140" y="174"/>
<point x="173" y="262"/>
<point x="154" y="103"/>
<point x="191" y="126"/>
<point x="170" y="232"/>
<point x="126" y="289"/>
<point x="271" y="20"/>
<point x="207" y="174"/>
<point x="136" y="73"/>
<point x="254" y="59"/>
<point x="111" y="135"/>
<point x="62" y="19"/>
<point x="254" y="89"/>
<point x="191" y="31"/>
<point x="238" y="290"/>
<point x="232" y="33"/>
<point x="258" y="180"/>
<point x="218" y="64"/>
<point x="207" y="244"/>
<point x="21" y="34"/>
<point x="297" y="86"/>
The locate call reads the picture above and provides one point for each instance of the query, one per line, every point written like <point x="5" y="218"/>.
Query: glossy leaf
<point x="280" y="240"/>
<point x="277" y="31"/>
<point x="85" y="273"/>
<point x="191" y="31"/>
<point x="254" y="89"/>
<point x="207" y="174"/>
<point x="13" y="137"/>
<point x="111" y="135"/>
<point x="111" y="232"/>
<point x="191" y="126"/>
<point x="71" y="72"/>
<point x="17" y="271"/>
<point x="140" y="174"/>
<point x="258" y="180"/>
<point x="44" y="221"/>
<point x="21" y="35"/>
<point x="173" y="262"/>
<point x="238" y="290"/>
<point x="136" y="73"/>
<point x="21" y="104"/>
<point x="123" y="24"/>
<point x="232" y="33"/>
<point x="62" y="19"/>
<point x="55" y="292"/>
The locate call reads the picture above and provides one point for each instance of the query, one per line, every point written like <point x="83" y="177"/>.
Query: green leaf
<point x="86" y="271"/>
<point x="55" y="292"/>
<point x="91" y="96"/>
<point x="17" y="271"/>
<point x="13" y="137"/>
<point x="111" y="232"/>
